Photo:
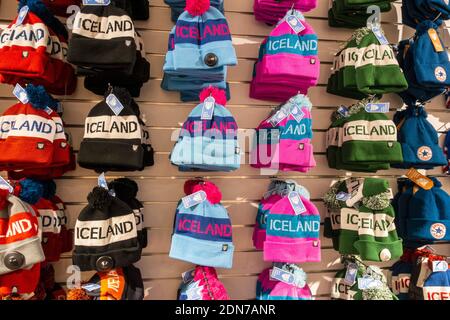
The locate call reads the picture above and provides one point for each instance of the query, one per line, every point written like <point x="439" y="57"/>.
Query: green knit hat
<point x="382" y="293"/>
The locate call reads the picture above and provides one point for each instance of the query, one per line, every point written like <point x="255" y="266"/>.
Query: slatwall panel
<point x="161" y="186"/>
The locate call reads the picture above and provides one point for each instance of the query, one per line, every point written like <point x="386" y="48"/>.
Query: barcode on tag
<point x="194" y="199"/>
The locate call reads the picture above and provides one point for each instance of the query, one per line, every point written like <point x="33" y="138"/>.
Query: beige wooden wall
<point x="161" y="186"/>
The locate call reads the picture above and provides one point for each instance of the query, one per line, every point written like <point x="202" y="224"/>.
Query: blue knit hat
<point x="202" y="233"/>
<point x="209" y="145"/>
<point x="419" y="140"/>
<point x="415" y="11"/>
<point x="447" y="152"/>
<point x="423" y="215"/>
<point x="437" y="286"/>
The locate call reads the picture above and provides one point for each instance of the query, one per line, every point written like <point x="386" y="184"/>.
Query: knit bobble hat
<point x="204" y="286"/>
<point x="105" y="233"/>
<point x="28" y="190"/>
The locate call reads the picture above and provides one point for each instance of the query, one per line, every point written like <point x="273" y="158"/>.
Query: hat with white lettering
<point x="117" y="284"/>
<point x="340" y="289"/>
<point x="437" y="285"/>
<point x="420" y="150"/>
<point x="113" y="142"/>
<point x="331" y="222"/>
<point x="105" y="233"/>
<point x="400" y="274"/>
<point x="126" y="190"/>
<point x="20" y="244"/>
<point x="208" y="139"/>
<point x="202" y="284"/>
<point x="283" y="141"/>
<point x="270" y="11"/>
<point x="424" y="215"/>
<point x="202" y="231"/>
<point x="66" y="232"/>
<point x="102" y="39"/>
<point x="293" y="237"/>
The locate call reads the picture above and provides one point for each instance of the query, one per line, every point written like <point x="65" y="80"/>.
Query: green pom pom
<point x="377" y="202"/>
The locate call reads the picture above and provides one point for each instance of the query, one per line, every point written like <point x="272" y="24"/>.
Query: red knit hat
<point x="66" y="235"/>
<point x="51" y="229"/>
<point x="59" y="7"/>
<point x="22" y="281"/>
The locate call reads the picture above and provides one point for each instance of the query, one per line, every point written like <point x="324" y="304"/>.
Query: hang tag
<point x="377" y="107"/>
<point x="343" y="111"/>
<point x="48" y="110"/>
<point x="380" y="36"/>
<point x="20" y="94"/>
<point x="296" y="202"/>
<point x="297" y="113"/>
<point x="282" y="275"/>
<point x="440" y="266"/>
<point x="295" y="23"/>
<point x="419" y="179"/>
<point x="114" y="103"/>
<point x="22" y="15"/>
<point x="355" y="188"/>
<point x="434" y="37"/>
<point x="429" y="248"/>
<point x="5" y="185"/>
<point x="59" y="108"/>
<point x="102" y="181"/>
<point x="342" y="196"/>
<point x="279" y="116"/>
<point x="194" y="199"/>
<point x="91" y="287"/>
<point x="208" y="108"/>
<point x="365" y="283"/>
<point x="96" y="2"/>
<point x="391" y="194"/>
<point x="194" y="292"/>
<point x="188" y="276"/>
<point x="350" y="274"/>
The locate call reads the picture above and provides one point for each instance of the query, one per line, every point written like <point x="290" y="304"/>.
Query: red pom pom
<point x="213" y="193"/>
<point x="189" y="186"/>
<point x="218" y="94"/>
<point x="3" y="198"/>
<point x="197" y="7"/>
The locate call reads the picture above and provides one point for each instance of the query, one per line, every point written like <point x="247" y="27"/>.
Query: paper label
<point x="20" y="94"/>
<point x="350" y="274"/>
<point x="295" y="23"/>
<point x="96" y="2"/>
<point x="380" y="36"/>
<point x="278" y="117"/>
<point x="434" y="37"/>
<point x="91" y="287"/>
<point x="114" y="103"/>
<point x="343" y="111"/>
<point x="188" y="276"/>
<point x="48" y="110"/>
<point x="297" y="113"/>
<point x="365" y="283"/>
<point x="208" y="108"/>
<point x="440" y="266"/>
<point x="342" y="196"/>
<point x="378" y="107"/>
<point x="355" y="188"/>
<point x="194" y="199"/>
<point x="296" y="202"/>
<point x="5" y="185"/>
<point x="22" y="15"/>
<point x="102" y="181"/>
<point x="419" y="179"/>
<point x="282" y="275"/>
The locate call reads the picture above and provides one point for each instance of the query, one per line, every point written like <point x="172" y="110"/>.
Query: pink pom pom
<point x="213" y="193"/>
<point x="189" y="185"/>
<point x="218" y="94"/>
<point x="197" y="7"/>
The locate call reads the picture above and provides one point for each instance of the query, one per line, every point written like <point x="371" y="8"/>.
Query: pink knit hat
<point x="270" y="11"/>
<point x="292" y="238"/>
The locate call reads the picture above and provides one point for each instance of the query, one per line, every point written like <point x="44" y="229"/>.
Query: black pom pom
<point x="125" y="188"/>
<point x="99" y="198"/>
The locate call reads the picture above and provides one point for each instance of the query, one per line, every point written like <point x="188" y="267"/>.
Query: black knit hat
<point x="118" y="284"/>
<point x="126" y="190"/>
<point x="137" y="9"/>
<point x="102" y="39"/>
<point x="105" y="234"/>
<point x="112" y="142"/>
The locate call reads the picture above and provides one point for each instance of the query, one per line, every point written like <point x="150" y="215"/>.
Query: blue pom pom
<point x="38" y="97"/>
<point x="31" y="191"/>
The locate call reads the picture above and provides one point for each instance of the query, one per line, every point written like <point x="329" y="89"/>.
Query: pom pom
<point x="218" y="94"/>
<point x="30" y="190"/>
<point x="49" y="189"/>
<point x="189" y="186"/>
<point x="38" y="97"/>
<point x="197" y="7"/>
<point x="3" y="198"/>
<point x="99" y="198"/>
<point x="121" y="93"/>
<point x="125" y="189"/>
<point x="77" y="294"/>
<point x="213" y="193"/>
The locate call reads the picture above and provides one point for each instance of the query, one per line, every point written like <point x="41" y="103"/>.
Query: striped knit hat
<point x="298" y="291"/>
<point x="208" y="144"/>
<point x="204" y="285"/>
<point x="202" y="233"/>
<point x="105" y="234"/>
<point x="283" y="140"/>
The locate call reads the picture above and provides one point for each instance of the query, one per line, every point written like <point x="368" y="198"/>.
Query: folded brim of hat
<point x="28" y="64"/>
<point x="194" y="56"/>
<point x="371" y="151"/>
<point x="292" y="252"/>
<point x="425" y="229"/>
<point x="204" y="152"/>
<point x="371" y="250"/>
<point x="202" y="252"/>
<point x="410" y="156"/>
<point x="30" y="249"/>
